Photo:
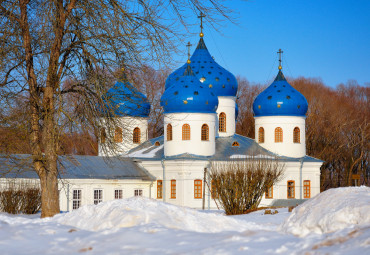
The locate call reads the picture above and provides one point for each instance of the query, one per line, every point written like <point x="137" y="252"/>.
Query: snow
<point x="330" y="211"/>
<point x="145" y="226"/>
<point x="248" y="156"/>
<point x="141" y="154"/>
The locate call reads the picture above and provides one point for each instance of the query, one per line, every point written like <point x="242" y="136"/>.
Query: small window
<point x="76" y="202"/>
<point x="235" y="143"/>
<point x="103" y="135"/>
<point x="117" y="194"/>
<point x="173" y="188"/>
<point x="296" y="135"/>
<point x="291" y="189"/>
<point x="138" y="192"/>
<point x="214" y="193"/>
<point x="137" y="135"/>
<point x="186" y="132"/>
<point x="197" y="188"/>
<point x="159" y="189"/>
<point x="98" y="196"/>
<point x="169" y="132"/>
<point x="205" y="132"/>
<point x="222" y="122"/>
<point x="118" y="138"/>
<point x="261" y="135"/>
<point x="278" y="135"/>
<point x="306" y="189"/>
<point x="269" y="193"/>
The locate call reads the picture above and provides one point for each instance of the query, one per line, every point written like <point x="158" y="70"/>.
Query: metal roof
<point x="244" y="148"/>
<point x="76" y="167"/>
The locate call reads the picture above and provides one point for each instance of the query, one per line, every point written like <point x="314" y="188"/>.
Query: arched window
<point x="103" y="135"/>
<point x="296" y="135"/>
<point x="278" y="135"/>
<point x="169" y="132"/>
<point x="222" y="122"/>
<point x="261" y="135"/>
<point x="118" y="135"/>
<point x="205" y="132"/>
<point x="137" y="135"/>
<point x="185" y="132"/>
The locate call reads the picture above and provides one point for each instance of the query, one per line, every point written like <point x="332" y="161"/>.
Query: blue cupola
<point x="123" y="99"/>
<point x="280" y="99"/>
<point x="213" y="76"/>
<point x="186" y="94"/>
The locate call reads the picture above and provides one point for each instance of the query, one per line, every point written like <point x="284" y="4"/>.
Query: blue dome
<point x="280" y="99"/>
<point x="220" y="81"/>
<point x="123" y="99"/>
<point x="188" y="94"/>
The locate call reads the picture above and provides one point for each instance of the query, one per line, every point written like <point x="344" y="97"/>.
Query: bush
<point x="240" y="185"/>
<point x="22" y="197"/>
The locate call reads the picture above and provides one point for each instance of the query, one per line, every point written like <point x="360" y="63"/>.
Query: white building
<point x="199" y="127"/>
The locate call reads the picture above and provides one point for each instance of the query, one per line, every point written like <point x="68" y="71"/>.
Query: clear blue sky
<point x="327" y="39"/>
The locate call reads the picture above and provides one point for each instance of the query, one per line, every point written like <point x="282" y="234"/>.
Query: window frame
<point x="222" y="122"/>
<point x="98" y="196"/>
<point x="290" y="188"/>
<point x="76" y="200"/>
<point x="138" y="192"/>
<point x="306" y="188"/>
<point x="205" y="132"/>
<point x="198" y="193"/>
<point x="136" y="135"/>
<point x="269" y="193"/>
<point x="118" y="135"/>
<point x="173" y="189"/>
<point x="261" y="135"/>
<point x="169" y="132"/>
<point x="296" y="135"/>
<point x="118" y="194"/>
<point x="278" y="135"/>
<point x="159" y="189"/>
<point x="214" y="193"/>
<point x="103" y="135"/>
<point x="186" y="132"/>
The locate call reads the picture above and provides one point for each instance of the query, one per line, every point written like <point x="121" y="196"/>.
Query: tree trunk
<point x="49" y="194"/>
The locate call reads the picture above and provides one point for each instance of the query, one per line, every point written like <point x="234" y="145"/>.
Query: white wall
<point x="287" y="123"/>
<point x="128" y="124"/>
<point x="227" y="105"/>
<point x="195" y="145"/>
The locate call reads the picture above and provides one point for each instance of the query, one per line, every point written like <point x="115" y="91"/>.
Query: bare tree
<point x="240" y="185"/>
<point x="45" y="43"/>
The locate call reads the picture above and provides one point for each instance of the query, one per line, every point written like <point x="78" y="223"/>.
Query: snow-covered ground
<point x="335" y="222"/>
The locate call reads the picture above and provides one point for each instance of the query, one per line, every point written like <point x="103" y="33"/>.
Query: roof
<point x="280" y="99"/>
<point x="188" y="94"/>
<point x="245" y="148"/>
<point x="213" y="76"/>
<point x="123" y="99"/>
<point x="76" y="167"/>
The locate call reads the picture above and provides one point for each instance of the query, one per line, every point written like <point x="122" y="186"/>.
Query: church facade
<point x="200" y="112"/>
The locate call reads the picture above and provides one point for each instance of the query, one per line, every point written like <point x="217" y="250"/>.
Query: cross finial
<point x="188" y="45"/>
<point x="201" y="16"/>
<point x="280" y="52"/>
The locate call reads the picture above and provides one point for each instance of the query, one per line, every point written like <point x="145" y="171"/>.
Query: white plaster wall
<point x="227" y="105"/>
<point x="287" y="123"/>
<point x="128" y="124"/>
<point x="195" y="145"/>
<point x="87" y="187"/>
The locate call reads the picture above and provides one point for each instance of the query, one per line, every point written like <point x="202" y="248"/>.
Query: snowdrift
<point x="141" y="211"/>
<point x="332" y="210"/>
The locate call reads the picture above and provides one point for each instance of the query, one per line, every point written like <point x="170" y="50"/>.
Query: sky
<point x="327" y="39"/>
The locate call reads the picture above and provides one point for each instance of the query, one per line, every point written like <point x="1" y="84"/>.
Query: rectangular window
<point x="306" y="189"/>
<point x="197" y="188"/>
<point x="214" y="193"/>
<point x="118" y="194"/>
<point x="291" y="189"/>
<point x="76" y="201"/>
<point x="173" y="188"/>
<point x="138" y="193"/>
<point x="98" y="196"/>
<point x="269" y="193"/>
<point x="159" y="189"/>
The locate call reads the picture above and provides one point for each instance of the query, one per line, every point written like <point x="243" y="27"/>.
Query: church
<point x="200" y="112"/>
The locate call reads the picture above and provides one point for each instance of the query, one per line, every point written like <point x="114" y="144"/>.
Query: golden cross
<point x="280" y="52"/>
<point x="201" y="16"/>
